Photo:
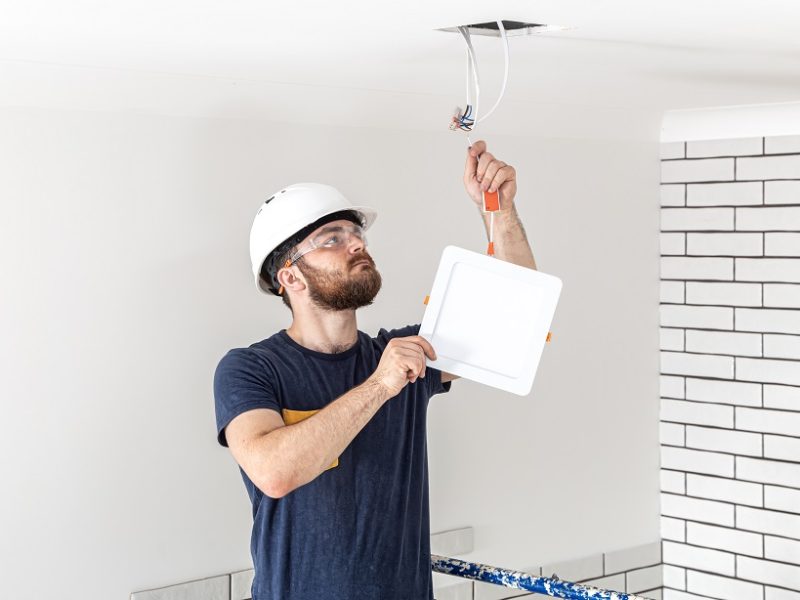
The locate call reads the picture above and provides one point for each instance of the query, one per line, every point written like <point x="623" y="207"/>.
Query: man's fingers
<point x="483" y="164"/>
<point x="503" y="174"/>
<point x="426" y="346"/>
<point x="473" y="154"/>
<point x="412" y="362"/>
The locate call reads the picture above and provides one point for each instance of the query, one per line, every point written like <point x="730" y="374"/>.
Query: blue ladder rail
<point x="524" y="581"/>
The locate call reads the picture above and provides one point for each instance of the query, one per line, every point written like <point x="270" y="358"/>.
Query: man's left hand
<point x="485" y="172"/>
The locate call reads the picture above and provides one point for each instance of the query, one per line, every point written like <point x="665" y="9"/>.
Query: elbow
<point x="276" y="486"/>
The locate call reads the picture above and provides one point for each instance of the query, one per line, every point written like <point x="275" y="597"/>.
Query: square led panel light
<point x="488" y="319"/>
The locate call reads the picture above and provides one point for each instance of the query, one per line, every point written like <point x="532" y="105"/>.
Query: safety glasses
<point x="331" y="237"/>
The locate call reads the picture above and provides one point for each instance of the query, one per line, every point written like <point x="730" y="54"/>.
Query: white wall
<point x="123" y="251"/>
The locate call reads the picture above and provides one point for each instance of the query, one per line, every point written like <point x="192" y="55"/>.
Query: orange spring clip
<point x="288" y="263"/>
<point x="490" y="250"/>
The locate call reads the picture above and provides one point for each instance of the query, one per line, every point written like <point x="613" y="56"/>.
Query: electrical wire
<point x="467" y="120"/>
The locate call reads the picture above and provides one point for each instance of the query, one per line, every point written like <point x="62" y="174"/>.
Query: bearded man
<point x="328" y="424"/>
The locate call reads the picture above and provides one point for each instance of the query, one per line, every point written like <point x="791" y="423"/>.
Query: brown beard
<point x="342" y="290"/>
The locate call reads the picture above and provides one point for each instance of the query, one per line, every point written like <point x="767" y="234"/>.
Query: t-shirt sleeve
<point x="241" y="383"/>
<point x="433" y="377"/>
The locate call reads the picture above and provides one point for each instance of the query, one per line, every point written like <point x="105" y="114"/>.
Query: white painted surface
<point x="124" y="252"/>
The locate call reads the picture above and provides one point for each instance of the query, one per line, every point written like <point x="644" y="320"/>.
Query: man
<point x="328" y="424"/>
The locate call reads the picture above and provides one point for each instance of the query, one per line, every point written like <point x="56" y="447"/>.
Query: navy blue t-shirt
<point x="360" y="530"/>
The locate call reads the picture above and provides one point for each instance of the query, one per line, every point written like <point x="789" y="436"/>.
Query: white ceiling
<point x="378" y="63"/>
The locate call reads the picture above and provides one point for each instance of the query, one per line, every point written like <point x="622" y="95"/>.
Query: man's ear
<point x="288" y="278"/>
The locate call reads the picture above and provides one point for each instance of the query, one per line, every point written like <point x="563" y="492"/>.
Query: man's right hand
<point x="402" y="361"/>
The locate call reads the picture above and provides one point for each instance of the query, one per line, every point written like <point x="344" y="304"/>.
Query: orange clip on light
<point x="549" y="336"/>
<point x="491" y="201"/>
<point x="426" y="300"/>
<point x="288" y="263"/>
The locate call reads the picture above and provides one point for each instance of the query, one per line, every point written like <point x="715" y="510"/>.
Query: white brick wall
<point x="730" y="364"/>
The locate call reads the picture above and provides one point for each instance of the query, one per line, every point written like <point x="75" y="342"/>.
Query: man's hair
<point x="278" y="257"/>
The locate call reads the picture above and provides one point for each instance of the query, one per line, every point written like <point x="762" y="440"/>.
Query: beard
<point x="339" y="289"/>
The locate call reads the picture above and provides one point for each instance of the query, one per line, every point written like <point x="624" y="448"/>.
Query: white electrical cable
<point x="505" y="72"/>
<point x="472" y="69"/>
<point x="472" y="65"/>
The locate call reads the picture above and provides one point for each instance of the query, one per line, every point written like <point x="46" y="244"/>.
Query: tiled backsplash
<point x="730" y="364"/>
<point x="633" y="570"/>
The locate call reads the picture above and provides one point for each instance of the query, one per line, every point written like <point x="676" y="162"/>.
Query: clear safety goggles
<point x="332" y="237"/>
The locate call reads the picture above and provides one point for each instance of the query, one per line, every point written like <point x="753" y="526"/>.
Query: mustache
<point x="362" y="259"/>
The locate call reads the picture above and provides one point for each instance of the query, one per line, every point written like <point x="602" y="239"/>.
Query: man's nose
<point x="356" y="244"/>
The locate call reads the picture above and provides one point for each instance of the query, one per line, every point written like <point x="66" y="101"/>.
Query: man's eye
<point x="331" y="241"/>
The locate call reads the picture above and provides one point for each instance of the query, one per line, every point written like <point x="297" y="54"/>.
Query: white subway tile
<point x="724" y="440"/>
<point x="610" y="582"/>
<point x="684" y="267"/>
<point x="768" y="421"/>
<point x="703" y="317"/>
<point x="673" y="195"/>
<point x="674" y="577"/>
<point x="779" y="594"/>
<point x="723" y="342"/>
<point x="782" y="192"/>
<point x="703" y="365"/>
<point x="640" y="580"/>
<point x="766" y="571"/>
<point x="698" y="558"/>
<point x="730" y="147"/>
<point x="782" y="346"/>
<point x="636" y="557"/>
<point x="697" y="413"/>
<point x="673" y="529"/>
<point x="686" y="171"/>
<point x="671" y="339"/>
<point x="723" y="244"/>
<point x="782" y="396"/>
<point x="724" y="538"/>
<point x="766" y="218"/>
<point x="673" y="150"/>
<point x="782" y="144"/>
<point x="728" y="490"/>
<point x="697" y="219"/>
<point x="671" y="387"/>
<point x="768" y="521"/>
<point x="768" y="320"/>
<point x="768" y="371"/>
<point x="675" y="243"/>
<point x="726" y="392"/>
<point x="781" y="498"/>
<point x="768" y="167"/>
<point x="782" y="549"/>
<point x="672" y="291"/>
<point x="676" y="595"/>
<point x="212" y="588"/>
<point x="781" y="294"/>
<point x="783" y="448"/>
<point x="729" y="294"/>
<point x="768" y="269"/>
<point x="724" y="194"/>
<point x="724" y="588"/>
<point x="696" y="461"/>
<point x="778" y="244"/>
<point x="576" y="570"/>
<point x="672" y="434"/>
<point x="673" y="482"/>
<point x="769" y="471"/>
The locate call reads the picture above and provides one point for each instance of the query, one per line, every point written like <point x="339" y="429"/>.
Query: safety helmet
<point x="287" y="212"/>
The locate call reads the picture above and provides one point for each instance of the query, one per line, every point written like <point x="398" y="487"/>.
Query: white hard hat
<point x="287" y="212"/>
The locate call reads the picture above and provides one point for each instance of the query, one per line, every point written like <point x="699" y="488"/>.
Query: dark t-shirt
<point x="360" y="530"/>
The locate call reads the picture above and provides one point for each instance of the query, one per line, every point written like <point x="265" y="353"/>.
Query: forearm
<point x="296" y="454"/>
<point x="510" y="241"/>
